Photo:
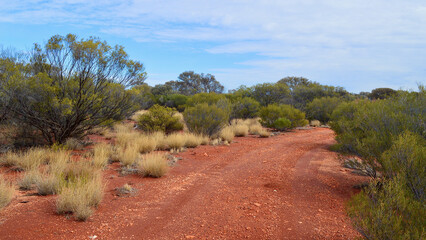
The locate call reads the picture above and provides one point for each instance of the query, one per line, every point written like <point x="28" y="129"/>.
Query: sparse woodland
<point x="53" y="98"/>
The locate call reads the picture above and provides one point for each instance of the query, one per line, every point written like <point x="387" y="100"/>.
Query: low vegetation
<point x="6" y="192"/>
<point x="153" y="165"/>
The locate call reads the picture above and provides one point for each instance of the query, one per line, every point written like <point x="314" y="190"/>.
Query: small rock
<point x="256" y="204"/>
<point x="189" y="236"/>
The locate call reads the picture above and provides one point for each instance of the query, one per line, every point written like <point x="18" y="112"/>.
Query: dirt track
<point x="285" y="187"/>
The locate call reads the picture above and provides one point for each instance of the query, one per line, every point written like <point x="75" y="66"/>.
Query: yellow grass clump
<point x="153" y="165"/>
<point x="127" y="156"/>
<point x="264" y="133"/>
<point x="315" y="123"/>
<point x="30" y="159"/>
<point x="101" y="154"/>
<point x="227" y="134"/>
<point x="255" y="129"/>
<point x="80" y="196"/>
<point x="30" y="179"/>
<point x="240" y="130"/>
<point x="193" y="140"/>
<point x="146" y="143"/>
<point x="175" y="140"/>
<point x="6" y="192"/>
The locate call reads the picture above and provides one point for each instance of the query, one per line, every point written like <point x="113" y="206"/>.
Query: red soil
<point x="285" y="187"/>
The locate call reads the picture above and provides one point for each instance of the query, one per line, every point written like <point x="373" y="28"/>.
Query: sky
<point x="356" y="44"/>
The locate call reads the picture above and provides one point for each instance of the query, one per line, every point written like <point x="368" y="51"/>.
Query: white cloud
<point x="289" y="36"/>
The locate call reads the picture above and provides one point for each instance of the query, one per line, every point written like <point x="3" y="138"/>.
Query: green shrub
<point x="209" y="98"/>
<point x="282" y="124"/>
<point x="177" y="101"/>
<point x="271" y="113"/>
<point x="205" y="119"/>
<point x="368" y="128"/>
<point x="245" y="108"/>
<point x="160" y="118"/>
<point x="386" y="210"/>
<point x="322" y="108"/>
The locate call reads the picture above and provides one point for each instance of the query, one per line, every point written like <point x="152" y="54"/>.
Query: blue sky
<point x="358" y="44"/>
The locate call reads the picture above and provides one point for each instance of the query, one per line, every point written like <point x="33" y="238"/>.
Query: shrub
<point x="65" y="96"/>
<point x="244" y="108"/>
<point x="385" y="210"/>
<point x="322" y="108"/>
<point x="367" y="128"/>
<point x="204" y="119"/>
<point x="282" y="124"/>
<point x="227" y="134"/>
<point x="153" y="165"/>
<point x="272" y="113"/>
<point x="6" y="192"/>
<point x="160" y="118"/>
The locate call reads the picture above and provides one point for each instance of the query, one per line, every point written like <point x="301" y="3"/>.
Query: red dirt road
<point x="285" y="187"/>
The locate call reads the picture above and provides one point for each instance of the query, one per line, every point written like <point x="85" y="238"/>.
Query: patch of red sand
<point x="284" y="187"/>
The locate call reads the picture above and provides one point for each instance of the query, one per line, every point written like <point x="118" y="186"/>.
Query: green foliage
<point x="205" y="119"/>
<point x="209" y="98"/>
<point x="282" y="124"/>
<point x="244" y="108"/>
<point x="407" y="158"/>
<point x="304" y="94"/>
<point x="269" y="93"/>
<point x="367" y="128"/>
<point x="142" y="96"/>
<point x="322" y="108"/>
<point x="382" y="93"/>
<point x="175" y="100"/>
<point x="190" y="83"/>
<point x="159" y="118"/>
<point x="271" y="113"/>
<point x="70" y="86"/>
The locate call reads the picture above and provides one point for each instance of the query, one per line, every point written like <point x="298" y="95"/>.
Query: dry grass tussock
<point x="6" y="192"/>
<point x="175" y="140"/>
<point x="227" y="134"/>
<point x="255" y="129"/>
<point x="30" y="179"/>
<point x="264" y="133"/>
<point x="128" y="155"/>
<point x="240" y="130"/>
<point x="315" y="123"/>
<point x="146" y="143"/>
<point x="30" y="159"/>
<point x="153" y="165"/>
<point x="193" y="140"/>
<point x="101" y="154"/>
<point x="80" y="196"/>
<point x="73" y="144"/>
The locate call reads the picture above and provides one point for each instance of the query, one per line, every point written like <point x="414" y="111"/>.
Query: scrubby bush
<point x="30" y="178"/>
<point x="240" y="130"/>
<point x="271" y="113"/>
<point x="69" y="86"/>
<point x="368" y="128"/>
<point x="244" y="108"/>
<point x="322" y="108"/>
<point x="382" y="93"/>
<point x="205" y="119"/>
<point x="282" y="124"/>
<point x="160" y="118"/>
<point x="393" y="207"/>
